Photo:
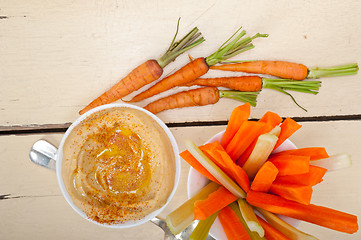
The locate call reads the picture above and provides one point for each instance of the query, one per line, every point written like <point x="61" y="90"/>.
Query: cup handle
<point x="43" y="153"/>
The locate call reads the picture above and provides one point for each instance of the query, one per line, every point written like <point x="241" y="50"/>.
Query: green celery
<point x="202" y="229"/>
<point x="250" y="217"/>
<point x="334" y="162"/>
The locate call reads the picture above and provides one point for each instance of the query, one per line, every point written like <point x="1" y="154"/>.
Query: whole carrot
<point x="148" y="71"/>
<point x="200" y="66"/>
<point x="198" y="97"/>
<point x="256" y="83"/>
<point x="288" y="70"/>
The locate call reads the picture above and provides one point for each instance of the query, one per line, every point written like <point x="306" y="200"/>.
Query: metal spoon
<point x="43" y="153"/>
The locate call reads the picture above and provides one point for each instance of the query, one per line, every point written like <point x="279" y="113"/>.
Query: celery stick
<point x="276" y="131"/>
<point x="334" y="162"/>
<point x="287" y="230"/>
<point x="250" y="217"/>
<point x="183" y="216"/>
<point x="263" y="148"/>
<point x="223" y="178"/>
<point x="253" y="235"/>
<point x="202" y="229"/>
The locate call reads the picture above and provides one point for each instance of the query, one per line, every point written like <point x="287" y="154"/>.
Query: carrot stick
<point x="241" y="83"/>
<point x="232" y="226"/>
<point x="288" y="127"/>
<point x="313" y="177"/>
<point x="238" y="116"/>
<point x="314" y="153"/>
<point x="188" y="157"/>
<point x="245" y="135"/>
<point x="148" y="71"/>
<point x="215" y="202"/>
<point x="199" y="66"/>
<point x="291" y="165"/>
<point x="219" y="156"/>
<point x="294" y="192"/>
<point x="289" y="70"/>
<point x="264" y="177"/>
<point x="197" y="97"/>
<point x="272" y="120"/>
<point x="271" y="233"/>
<point x="319" y="215"/>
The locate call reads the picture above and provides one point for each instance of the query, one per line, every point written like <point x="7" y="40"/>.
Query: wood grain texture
<point x="34" y="207"/>
<point x="57" y="56"/>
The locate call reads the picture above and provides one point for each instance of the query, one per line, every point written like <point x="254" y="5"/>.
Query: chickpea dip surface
<point x="118" y="165"/>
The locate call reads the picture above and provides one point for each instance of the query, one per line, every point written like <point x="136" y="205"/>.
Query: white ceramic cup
<point x="45" y="154"/>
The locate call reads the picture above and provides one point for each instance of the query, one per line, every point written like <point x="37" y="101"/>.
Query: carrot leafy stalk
<point x="238" y="116"/>
<point x="183" y="216"/>
<point x="215" y="202"/>
<point x="202" y="229"/>
<point x="289" y="70"/>
<point x="200" y="66"/>
<point x="199" y="97"/>
<point x="250" y="217"/>
<point x="222" y="177"/>
<point x="319" y="215"/>
<point x="285" y="228"/>
<point x="232" y="225"/>
<point x="148" y="71"/>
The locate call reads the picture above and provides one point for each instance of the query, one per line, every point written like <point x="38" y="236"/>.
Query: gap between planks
<point x="61" y="128"/>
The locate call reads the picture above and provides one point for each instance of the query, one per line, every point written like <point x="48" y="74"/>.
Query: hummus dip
<point x="118" y="165"/>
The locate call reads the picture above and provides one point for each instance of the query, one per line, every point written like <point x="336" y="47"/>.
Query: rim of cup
<point x="59" y="160"/>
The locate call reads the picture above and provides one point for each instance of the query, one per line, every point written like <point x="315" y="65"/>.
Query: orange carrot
<point x="238" y="116"/>
<point x="313" y="177"/>
<point x="314" y="153"/>
<point x="270" y="118"/>
<point x="280" y="69"/>
<point x="288" y="127"/>
<point x="199" y="66"/>
<point x="245" y="135"/>
<point x="241" y="83"/>
<point x="291" y="165"/>
<point x="197" y="97"/>
<point x="232" y="226"/>
<point x="319" y="215"/>
<point x="294" y="192"/>
<point x="215" y="202"/>
<point x="270" y="232"/>
<point x="219" y="156"/>
<point x="147" y="72"/>
<point x="264" y="177"/>
<point x="289" y="70"/>
<point x="188" y="157"/>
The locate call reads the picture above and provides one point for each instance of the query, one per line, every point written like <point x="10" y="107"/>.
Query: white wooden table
<point x="56" y="56"/>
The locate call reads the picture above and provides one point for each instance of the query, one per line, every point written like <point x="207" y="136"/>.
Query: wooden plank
<point x="34" y="207"/>
<point x="56" y="56"/>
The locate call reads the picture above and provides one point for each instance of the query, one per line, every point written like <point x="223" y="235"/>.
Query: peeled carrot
<point x="314" y="153"/>
<point x="298" y="193"/>
<point x="199" y="66"/>
<point x="198" y="97"/>
<point x="319" y="215"/>
<point x="147" y="72"/>
<point x="272" y="120"/>
<point x="264" y="177"/>
<point x="219" y="156"/>
<point x="271" y="233"/>
<point x="311" y="178"/>
<point x="188" y="157"/>
<point x="291" y="164"/>
<point x="232" y="225"/>
<point x="238" y="116"/>
<point x="288" y="127"/>
<point x="245" y="135"/>
<point x="215" y="202"/>
<point x="289" y="70"/>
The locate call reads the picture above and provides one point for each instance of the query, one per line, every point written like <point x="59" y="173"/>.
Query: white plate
<point x="197" y="181"/>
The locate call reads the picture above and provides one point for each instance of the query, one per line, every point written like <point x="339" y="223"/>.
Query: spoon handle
<point x="43" y="153"/>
